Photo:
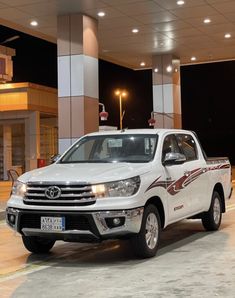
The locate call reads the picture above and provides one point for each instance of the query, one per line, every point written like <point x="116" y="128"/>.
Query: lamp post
<point x="121" y="94"/>
<point x="152" y="121"/>
<point x="103" y="114"/>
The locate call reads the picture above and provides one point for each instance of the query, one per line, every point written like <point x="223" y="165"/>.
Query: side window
<point x="188" y="146"/>
<point x="169" y="145"/>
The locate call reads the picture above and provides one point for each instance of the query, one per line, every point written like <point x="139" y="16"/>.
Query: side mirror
<point x="173" y="158"/>
<point x="54" y="158"/>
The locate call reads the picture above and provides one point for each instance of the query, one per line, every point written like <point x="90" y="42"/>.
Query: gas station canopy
<point x="195" y="31"/>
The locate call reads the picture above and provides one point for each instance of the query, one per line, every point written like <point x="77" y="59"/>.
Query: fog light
<point x="12" y="219"/>
<point x="116" y="221"/>
<point x="113" y="222"/>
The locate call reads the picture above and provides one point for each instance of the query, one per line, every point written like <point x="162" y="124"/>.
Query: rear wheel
<point x="212" y="218"/>
<point x="37" y="244"/>
<point x="145" y="243"/>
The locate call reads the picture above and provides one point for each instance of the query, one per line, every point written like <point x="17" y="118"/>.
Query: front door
<point x="178" y="196"/>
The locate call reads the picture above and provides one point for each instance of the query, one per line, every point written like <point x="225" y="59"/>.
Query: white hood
<point x="86" y="172"/>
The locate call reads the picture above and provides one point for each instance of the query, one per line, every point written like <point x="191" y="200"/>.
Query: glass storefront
<point x="15" y="147"/>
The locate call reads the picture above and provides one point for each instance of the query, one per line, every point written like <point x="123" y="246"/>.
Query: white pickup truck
<point x="129" y="183"/>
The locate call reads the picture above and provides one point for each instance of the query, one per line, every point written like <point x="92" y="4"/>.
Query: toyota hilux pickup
<point x="122" y="184"/>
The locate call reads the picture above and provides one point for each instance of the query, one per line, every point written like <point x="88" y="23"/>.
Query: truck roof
<point x="139" y="131"/>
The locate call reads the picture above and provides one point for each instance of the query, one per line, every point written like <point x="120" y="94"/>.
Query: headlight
<point x="121" y="188"/>
<point x="19" y="189"/>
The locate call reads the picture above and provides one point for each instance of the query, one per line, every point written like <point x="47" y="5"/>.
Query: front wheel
<point x="145" y="243"/>
<point x="212" y="218"/>
<point x="37" y="245"/>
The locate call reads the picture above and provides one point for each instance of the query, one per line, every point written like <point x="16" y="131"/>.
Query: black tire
<point x="37" y="245"/>
<point x="148" y="248"/>
<point x="212" y="218"/>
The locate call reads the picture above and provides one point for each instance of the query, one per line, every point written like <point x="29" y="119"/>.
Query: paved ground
<point x="190" y="263"/>
<point x="2" y="209"/>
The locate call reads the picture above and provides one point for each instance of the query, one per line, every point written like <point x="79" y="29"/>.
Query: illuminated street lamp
<point x="121" y="94"/>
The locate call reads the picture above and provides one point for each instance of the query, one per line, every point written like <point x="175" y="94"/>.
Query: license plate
<point x="52" y="223"/>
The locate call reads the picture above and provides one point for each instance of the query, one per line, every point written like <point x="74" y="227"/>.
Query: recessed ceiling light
<point x="227" y="35"/>
<point x="135" y="30"/>
<point x="180" y="2"/>
<point x="169" y="68"/>
<point x="193" y="58"/>
<point x="142" y="64"/>
<point x="101" y="14"/>
<point x="207" y="21"/>
<point x="155" y="69"/>
<point x="34" y="23"/>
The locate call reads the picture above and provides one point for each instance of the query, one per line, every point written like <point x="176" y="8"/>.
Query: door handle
<point x="186" y="173"/>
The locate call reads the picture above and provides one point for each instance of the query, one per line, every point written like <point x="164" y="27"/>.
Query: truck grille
<point x="59" y="194"/>
<point x="72" y="222"/>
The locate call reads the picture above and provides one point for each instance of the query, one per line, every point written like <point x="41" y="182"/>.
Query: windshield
<point x="112" y="148"/>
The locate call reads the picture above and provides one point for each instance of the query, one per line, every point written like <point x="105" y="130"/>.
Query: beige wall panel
<point x="42" y="109"/>
<point x="176" y="78"/>
<point x="177" y="121"/>
<point x="16" y="107"/>
<point x="77" y="114"/>
<point x="76" y="34"/>
<point x="64" y="119"/>
<point x="167" y="76"/>
<point x="7" y="149"/>
<point x="43" y="101"/>
<point x="157" y="76"/>
<point x="91" y="111"/>
<point x="159" y="121"/>
<point x="176" y="99"/>
<point x="176" y="71"/>
<point x="63" y="35"/>
<point x="90" y="39"/>
<point x="13" y="101"/>
<point x="162" y="76"/>
<point x="32" y="140"/>
<point x="168" y="122"/>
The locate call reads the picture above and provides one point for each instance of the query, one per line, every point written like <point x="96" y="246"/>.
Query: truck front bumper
<point x="79" y="226"/>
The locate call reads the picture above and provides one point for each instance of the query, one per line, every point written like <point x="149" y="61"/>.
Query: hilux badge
<point x="53" y="192"/>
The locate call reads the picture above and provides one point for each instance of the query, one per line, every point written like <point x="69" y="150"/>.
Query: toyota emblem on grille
<point x="53" y="192"/>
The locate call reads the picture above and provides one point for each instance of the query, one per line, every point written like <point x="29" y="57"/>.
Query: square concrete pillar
<point x="166" y="91"/>
<point x="77" y="78"/>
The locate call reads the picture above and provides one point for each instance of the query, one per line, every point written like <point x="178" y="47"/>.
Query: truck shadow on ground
<point x="113" y="252"/>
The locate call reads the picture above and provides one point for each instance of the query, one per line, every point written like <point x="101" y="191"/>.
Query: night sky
<point x="138" y="104"/>
<point x="208" y="95"/>
<point x="207" y="91"/>
<point x="35" y="60"/>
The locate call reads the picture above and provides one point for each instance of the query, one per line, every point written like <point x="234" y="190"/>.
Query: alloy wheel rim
<point x="216" y="211"/>
<point x="151" y="231"/>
